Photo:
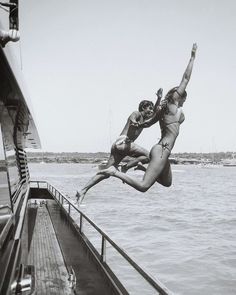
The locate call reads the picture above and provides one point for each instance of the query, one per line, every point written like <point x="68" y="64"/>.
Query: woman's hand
<point x="194" y="49"/>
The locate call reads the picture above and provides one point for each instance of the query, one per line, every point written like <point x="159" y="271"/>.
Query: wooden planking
<point x="45" y="255"/>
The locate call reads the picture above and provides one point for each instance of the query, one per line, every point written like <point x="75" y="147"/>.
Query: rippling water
<point x="184" y="235"/>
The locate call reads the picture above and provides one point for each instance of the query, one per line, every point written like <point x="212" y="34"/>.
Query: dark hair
<point x="144" y="103"/>
<point x="169" y="95"/>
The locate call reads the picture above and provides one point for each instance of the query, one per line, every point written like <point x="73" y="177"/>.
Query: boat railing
<point x="69" y="207"/>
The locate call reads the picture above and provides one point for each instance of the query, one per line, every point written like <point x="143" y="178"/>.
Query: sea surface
<point x="184" y="235"/>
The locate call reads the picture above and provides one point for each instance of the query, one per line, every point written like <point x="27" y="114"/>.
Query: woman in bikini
<point x="170" y="115"/>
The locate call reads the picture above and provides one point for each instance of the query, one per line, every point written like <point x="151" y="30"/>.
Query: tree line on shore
<point x="76" y="157"/>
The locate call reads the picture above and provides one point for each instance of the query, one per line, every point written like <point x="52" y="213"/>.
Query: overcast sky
<point x="88" y="64"/>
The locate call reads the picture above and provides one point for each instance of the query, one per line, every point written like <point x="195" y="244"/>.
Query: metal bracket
<point x="25" y="284"/>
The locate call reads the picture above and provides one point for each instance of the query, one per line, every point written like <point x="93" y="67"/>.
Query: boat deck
<point x="55" y="248"/>
<point x="50" y="271"/>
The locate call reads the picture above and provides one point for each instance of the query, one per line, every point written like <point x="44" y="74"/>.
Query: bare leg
<point x="96" y="179"/>
<point x="139" y="153"/>
<point x="93" y="181"/>
<point x="134" y="163"/>
<point x="140" y="167"/>
<point x="156" y="166"/>
<point x="165" y="178"/>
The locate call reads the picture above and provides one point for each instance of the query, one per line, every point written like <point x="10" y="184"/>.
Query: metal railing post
<point x="81" y="223"/>
<point x="103" y="250"/>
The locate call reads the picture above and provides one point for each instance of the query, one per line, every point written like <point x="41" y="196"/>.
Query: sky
<point x="88" y="64"/>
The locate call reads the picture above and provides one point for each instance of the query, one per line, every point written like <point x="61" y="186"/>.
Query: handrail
<point x="156" y="284"/>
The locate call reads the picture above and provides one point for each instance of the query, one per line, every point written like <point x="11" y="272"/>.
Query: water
<point x="184" y="235"/>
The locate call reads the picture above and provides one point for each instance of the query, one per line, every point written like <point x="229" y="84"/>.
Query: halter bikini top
<point x="165" y="145"/>
<point x="180" y="120"/>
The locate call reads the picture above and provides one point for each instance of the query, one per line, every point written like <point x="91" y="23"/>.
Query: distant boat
<point x="230" y="162"/>
<point x="102" y="165"/>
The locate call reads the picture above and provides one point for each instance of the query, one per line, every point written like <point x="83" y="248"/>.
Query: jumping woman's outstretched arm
<point x="187" y="74"/>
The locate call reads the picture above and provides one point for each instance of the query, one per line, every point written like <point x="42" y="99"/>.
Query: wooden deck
<point x="45" y="254"/>
<point x="55" y="246"/>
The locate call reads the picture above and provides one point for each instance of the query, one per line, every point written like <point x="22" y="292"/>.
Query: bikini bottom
<point x="165" y="146"/>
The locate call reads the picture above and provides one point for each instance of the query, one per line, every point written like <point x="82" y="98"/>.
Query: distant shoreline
<point x="97" y="158"/>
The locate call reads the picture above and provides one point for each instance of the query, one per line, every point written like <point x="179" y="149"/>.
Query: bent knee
<point x="144" y="188"/>
<point x="167" y="184"/>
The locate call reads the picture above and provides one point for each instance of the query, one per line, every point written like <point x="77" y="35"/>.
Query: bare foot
<point x="140" y="167"/>
<point x="111" y="171"/>
<point x="79" y="197"/>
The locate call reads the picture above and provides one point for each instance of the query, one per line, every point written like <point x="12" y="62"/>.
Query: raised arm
<point x="159" y="97"/>
<point x="187" y="74"/>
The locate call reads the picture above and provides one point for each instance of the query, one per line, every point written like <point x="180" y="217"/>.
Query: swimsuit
<point x="165" y="145"/>
<point x="122" y="145"/>
<point x="122" y="139"/>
